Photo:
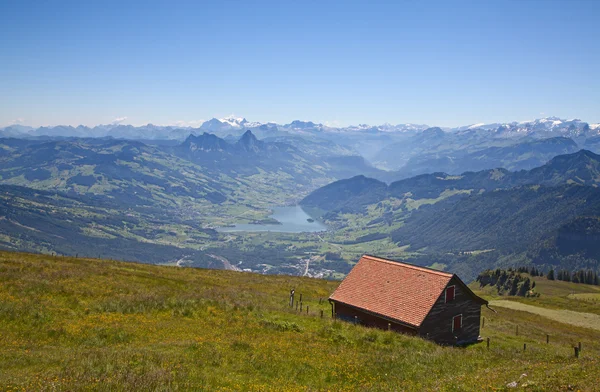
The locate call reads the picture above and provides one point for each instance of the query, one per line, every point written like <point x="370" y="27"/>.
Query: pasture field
<point x="586" y="320"/>
<point x="559" y="295"/>
<point x="69" y="324"/>
<point x="588" y="297"/>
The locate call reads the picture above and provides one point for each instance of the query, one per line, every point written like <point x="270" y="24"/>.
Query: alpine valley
<point x="462" y="199"/>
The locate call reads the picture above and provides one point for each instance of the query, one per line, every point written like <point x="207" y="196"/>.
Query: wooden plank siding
<point x="411" y="298"/>
<point x="346" y="313"/>
<point x="437" y="325"/>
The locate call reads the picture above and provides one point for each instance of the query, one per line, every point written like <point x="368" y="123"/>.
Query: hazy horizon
<point x="198" y="124"/>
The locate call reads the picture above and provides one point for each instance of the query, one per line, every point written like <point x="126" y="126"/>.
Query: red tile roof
<point x="395" y="290"/>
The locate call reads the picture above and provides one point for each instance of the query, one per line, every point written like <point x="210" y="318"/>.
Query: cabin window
<point x="457" y="323"/>
<point x="450" y="291"/>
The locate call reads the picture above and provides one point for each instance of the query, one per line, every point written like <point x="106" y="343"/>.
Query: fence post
<point x="488" y="343"/>
<point x="547" y="338"/>
<point x="306" y="309"/>
<point x="524" y="346"/>
<point x="517" y="330"/>
<point x="576" y="351"/>
<point x="321" y="313"/>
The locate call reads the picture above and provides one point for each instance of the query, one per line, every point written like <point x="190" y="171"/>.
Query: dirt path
<point x="226" y="263"/>
<point x="308" y="260"/>
<point x="306" y="269"/>
<point x="580" y="319"/>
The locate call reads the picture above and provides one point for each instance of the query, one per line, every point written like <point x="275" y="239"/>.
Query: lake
<point x="292" y="219"/>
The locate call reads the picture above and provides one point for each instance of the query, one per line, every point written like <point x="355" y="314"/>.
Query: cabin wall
<point x="437" y="326"/>
<point x="347" y="313"/>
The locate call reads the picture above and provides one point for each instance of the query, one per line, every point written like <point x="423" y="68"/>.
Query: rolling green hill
<point x="81" y="324"/>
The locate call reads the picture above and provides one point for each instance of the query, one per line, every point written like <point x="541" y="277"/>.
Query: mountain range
<point x="72" y="194"/>
<point x="203" y="167"/>
<point x="404" y="150"/>
<point x="540" y="128"/>
<point x="354" y="194"/>
<point x="547" y="215"/>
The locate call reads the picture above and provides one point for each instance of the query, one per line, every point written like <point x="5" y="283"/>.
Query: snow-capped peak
<point x="234" y="121"/>
<point x="475" y="125"/>
<point x="239" y="122"/>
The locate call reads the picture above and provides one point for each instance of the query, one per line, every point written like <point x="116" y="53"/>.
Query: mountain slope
<point x="521" y="156"/>
<point x="249" y="156"/>
<point x="579" y="168"/>
<point x="476" y="220"/>
<point x="128" y="171"/>
<point x="347" y="195"/>
<point x="305" y="161"/>
<point x="50" y="222"/>
<point x="506" y="220"/>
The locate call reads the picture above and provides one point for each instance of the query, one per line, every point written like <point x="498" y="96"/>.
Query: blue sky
<point x="436" y="62"/>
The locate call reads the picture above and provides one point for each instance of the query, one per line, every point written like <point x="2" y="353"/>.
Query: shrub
<point x="282" y="326"/>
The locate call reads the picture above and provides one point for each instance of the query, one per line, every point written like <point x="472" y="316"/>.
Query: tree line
<point x="529" y="270"/>
<point x="508" y="282"/>
<point x="579" y="276"/>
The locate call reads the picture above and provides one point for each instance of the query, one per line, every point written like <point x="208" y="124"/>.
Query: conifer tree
<point x="514" y="288"/>
<point x="525" y="287"/>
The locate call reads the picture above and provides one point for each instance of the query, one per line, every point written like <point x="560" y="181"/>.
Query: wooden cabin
<point x="410" y="299"/>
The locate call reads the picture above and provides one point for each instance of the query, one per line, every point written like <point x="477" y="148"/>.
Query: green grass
<point x="565" y="316"/>
<point x="81" y="324"/>
<point x="588" y="297"/>
<point x="438" y="266"/>
<point x="412" y="204"/>
<point x="556" y="295"/>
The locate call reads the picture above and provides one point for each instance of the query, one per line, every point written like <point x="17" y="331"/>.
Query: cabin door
<point x="457" y="323"/>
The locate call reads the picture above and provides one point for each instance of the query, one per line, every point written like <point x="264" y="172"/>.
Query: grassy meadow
<point x="82" y="324"/>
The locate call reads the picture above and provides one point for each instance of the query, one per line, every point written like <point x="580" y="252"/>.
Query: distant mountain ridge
<point x="404" y="150"/>
<point x="352" y="195"/>
<point x="524" y="155"/>
<point x="540" y="128"/>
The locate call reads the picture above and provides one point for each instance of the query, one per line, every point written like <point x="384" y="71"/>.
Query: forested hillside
<point x="581" y="168"/>
<point x="548" y="215"/>
<point x="504" y="220"/>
